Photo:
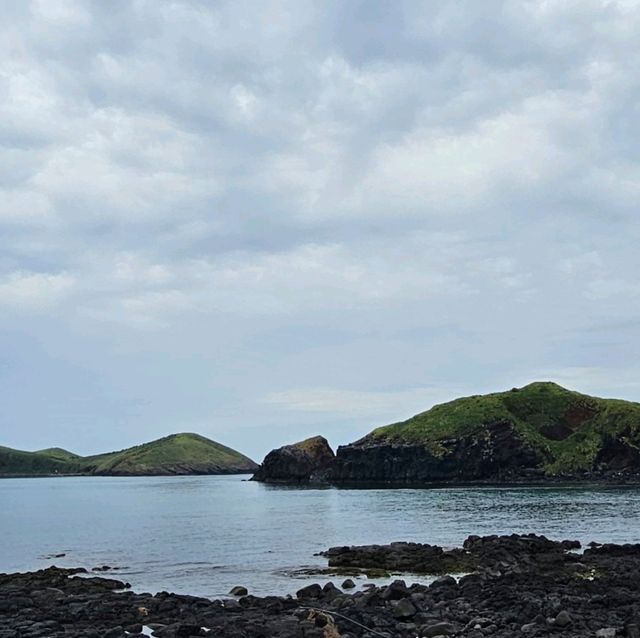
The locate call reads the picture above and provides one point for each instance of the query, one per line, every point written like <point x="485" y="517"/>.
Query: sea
<point x="202" y="535"/>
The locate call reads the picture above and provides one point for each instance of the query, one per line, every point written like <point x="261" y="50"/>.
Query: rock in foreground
<point x="520" y="586"/>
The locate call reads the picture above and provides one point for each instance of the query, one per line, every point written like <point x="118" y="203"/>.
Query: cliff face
<point x="541" y="432"/>
<point x="302" y="462"/>
<point x="497" y="454"/>
<point x="537" y="433"/>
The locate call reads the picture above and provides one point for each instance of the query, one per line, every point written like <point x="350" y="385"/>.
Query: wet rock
<point x="396" y="590"/>
<point x="330" y="591"/>
<point x="562" y="619"/>
<point x="310" y="591"/>
<point x="348" y="584"/>
<point x="438" y="629"/>
<point x="404" y="609"/>
<point x="238" y="590"/>
<point x="102" y="568"/>
<point x="632" y="630"/>
<point x="444" y="581"/>
<point x="520" y="582"/>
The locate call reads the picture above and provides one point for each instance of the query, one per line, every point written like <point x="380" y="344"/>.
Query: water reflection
<point x="203" y="535"/>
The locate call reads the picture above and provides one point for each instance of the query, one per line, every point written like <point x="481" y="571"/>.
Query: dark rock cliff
<point x="497" y="455"/>
<point x="535" y="434"/>
<point x="301" y="462"/>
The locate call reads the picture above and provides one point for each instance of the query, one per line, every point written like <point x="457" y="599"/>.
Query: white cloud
<point x="601" y="288"/>
<point x="31" y="291"/>
<point x="441" y="172"/>
<point x="324" y="276"/>
<point x="345" y="404"/>
<point x="586" y="262"/>
<point x="142" y="310"/>
<point x="25" y="207"/>
<point x="60" y="12"/>
<point x="273" y="187"/>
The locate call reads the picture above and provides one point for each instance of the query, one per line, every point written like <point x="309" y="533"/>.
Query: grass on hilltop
<point x="566" y="427"/>
<point x="177" y="453"/>
<point x="17" y="462"/>
<point x="176" y="449"/>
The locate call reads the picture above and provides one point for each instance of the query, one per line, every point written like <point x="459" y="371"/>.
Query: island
<point x="536" y="434"/>
<point x="176" y="454"/>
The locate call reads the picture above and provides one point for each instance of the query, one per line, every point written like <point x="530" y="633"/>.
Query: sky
<point x="265" y="220"/>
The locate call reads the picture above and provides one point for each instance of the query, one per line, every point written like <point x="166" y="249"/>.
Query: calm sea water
<point x="202" y="535"/>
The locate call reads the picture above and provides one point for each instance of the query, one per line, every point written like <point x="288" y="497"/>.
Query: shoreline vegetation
<point x="518" y="585"/>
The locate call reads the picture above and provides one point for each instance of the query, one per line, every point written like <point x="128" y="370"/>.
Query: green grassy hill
<point x="571" y="431"/>
<point x="16" y="462"/>
<point x="175" y="454"/>
<point x="59" y="454"/>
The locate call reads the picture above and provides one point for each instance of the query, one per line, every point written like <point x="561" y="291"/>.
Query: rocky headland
<point x="513" y="586"/>
<point x="532" y="435"/>
<point x="303" y="462"/>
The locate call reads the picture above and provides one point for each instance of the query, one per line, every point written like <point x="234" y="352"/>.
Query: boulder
<point x="307" y="461"/>
<point x="563" y="619"/>
<point x="310" y="591"/>
<point x="438" y="629"/>
<point x="404" y="609"/>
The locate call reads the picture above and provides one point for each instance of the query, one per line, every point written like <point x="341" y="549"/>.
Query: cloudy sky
<point x="265" y="220"/>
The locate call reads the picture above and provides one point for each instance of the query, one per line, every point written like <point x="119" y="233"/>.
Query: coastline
<point x="519" y="585"/>
<point x="121" y="475"/>
<point x="511" y="483"/>
<point x="559" y="482"/>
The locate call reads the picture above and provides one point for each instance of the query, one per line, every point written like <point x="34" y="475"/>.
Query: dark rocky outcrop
<point x="520" y="586"/>
<point x="308" y="460"/>
<point x="537" y="434"/>
<point x="478" y="553"/>
<point x="499" y="455"/>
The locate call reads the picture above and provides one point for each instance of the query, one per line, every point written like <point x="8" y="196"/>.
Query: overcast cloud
<point x="266" y="220"/>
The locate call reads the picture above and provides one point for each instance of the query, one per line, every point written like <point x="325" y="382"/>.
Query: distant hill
<point x="16" y="462"/>
<point x="59" y="454"/>
<point x="175" y="454"/>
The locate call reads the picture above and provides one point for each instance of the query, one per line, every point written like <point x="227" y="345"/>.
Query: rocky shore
<point x="514" y="586"/>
